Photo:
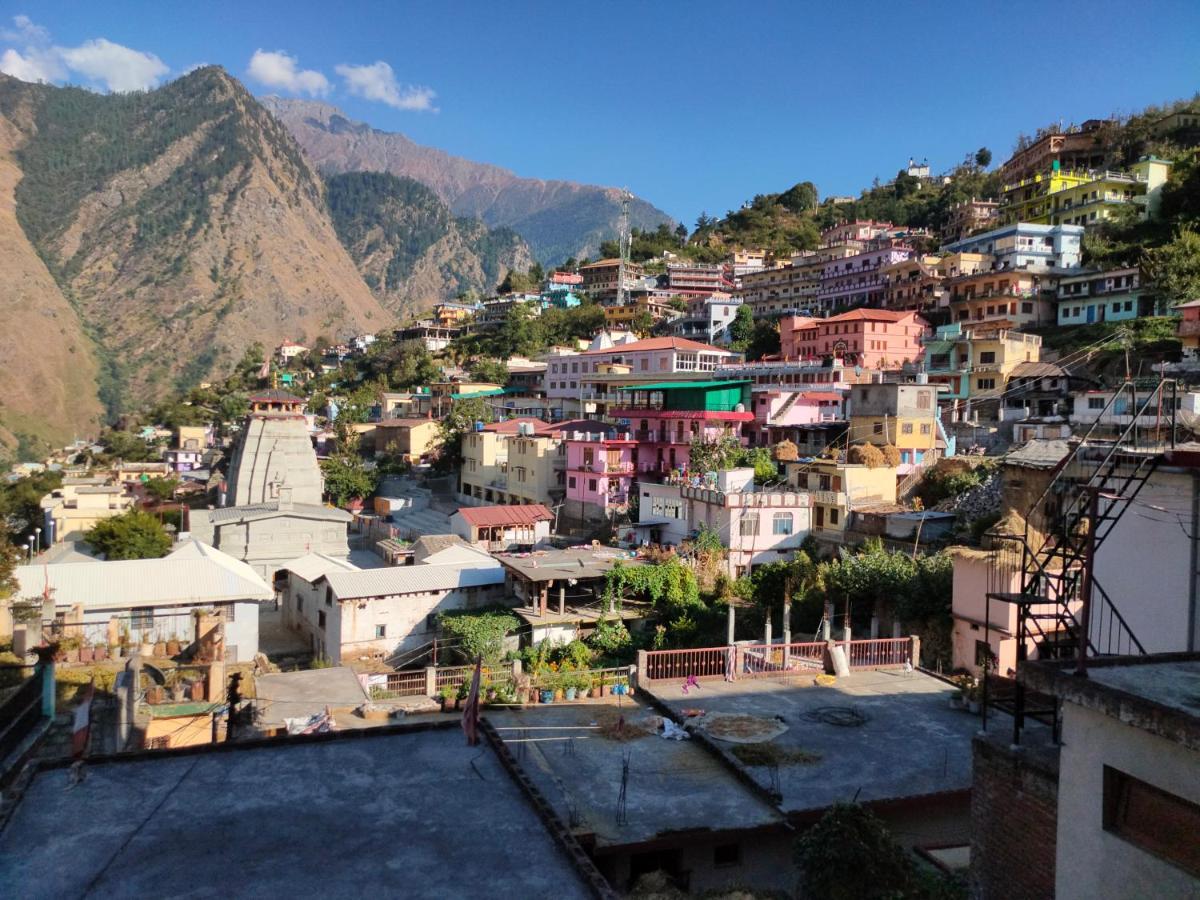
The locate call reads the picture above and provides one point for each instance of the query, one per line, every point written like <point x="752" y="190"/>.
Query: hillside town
<point x="719" y="553"/>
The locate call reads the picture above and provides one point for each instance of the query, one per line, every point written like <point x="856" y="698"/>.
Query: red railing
<point x="708" y="662"/>
<point x="771" y="660"/>
<point x="875" y="654"/>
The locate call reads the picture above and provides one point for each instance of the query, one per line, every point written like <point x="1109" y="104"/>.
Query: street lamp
<point x="28" y="551"/>
<point x="37" y="540"/>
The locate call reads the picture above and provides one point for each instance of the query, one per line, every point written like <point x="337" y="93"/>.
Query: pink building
<point x="600" y="472"/>
<point x="780" y="407"/>
<point x="869" y="338"/>
<point x="666" y="417"/>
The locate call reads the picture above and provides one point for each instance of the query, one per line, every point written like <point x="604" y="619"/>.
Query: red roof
<point x="659" y="343"/>
<point x="821" y="396"/>
<point x="490" y="516"/>
<point x="871" y="315"/>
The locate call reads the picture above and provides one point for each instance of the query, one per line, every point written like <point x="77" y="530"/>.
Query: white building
<point x="1089" y="407"/>
<point x="349" y="613"/>
<point x="150" y="600"/>
<point x="1128" y="777"/>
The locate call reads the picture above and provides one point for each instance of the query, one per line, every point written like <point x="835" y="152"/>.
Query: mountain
<point x="161" y="233"/>
<point x="409" y="247"/>
<point x="558" y="219"/>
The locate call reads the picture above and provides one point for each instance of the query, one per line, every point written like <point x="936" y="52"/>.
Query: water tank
<point x="922" y="378"/>
<point x="478" y="425"/>
<point x="741" y="407"/>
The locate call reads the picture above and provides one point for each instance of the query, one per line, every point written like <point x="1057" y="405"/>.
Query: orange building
<point x="870" y="338"/>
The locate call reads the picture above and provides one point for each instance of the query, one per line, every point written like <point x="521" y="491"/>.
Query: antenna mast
<point x="624" y="241"/>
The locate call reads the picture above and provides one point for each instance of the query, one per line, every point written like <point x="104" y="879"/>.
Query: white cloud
<point x="378" y="82"/>
<point x="33" y="65"/>
<point x="118" y="68"/>
<point x="278" y="70"/>
<point x="100" y="61"/>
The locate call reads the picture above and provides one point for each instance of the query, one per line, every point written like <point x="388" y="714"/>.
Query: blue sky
<point x="695" y="106"/>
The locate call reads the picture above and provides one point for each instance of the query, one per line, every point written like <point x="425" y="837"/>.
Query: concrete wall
<point x="1157" y="534"/>
<point x="764" y="862"/>
<point x="1091" y="863"/>
<point x="1014" y="810"/>
<point x="267" y="544"/>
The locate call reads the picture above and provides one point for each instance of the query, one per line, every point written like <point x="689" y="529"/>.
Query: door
<point x="820" y="516"/>
<point x="1091" y="314"/>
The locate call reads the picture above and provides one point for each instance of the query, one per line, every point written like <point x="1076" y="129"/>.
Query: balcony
<point x="829" y="498"/>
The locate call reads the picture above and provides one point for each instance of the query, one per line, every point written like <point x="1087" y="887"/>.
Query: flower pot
<point x="172" y="648"/>
<point x="559" y="693"/>
<point x="160" y="649"/>
<point x="620" y="689"/>
<point x="600" y="690"/>
<point x="101" y="652"/>
<point x="570" y="692"/>
<point x="86" y="654"/>
<point x="547" y="696"/>
<point x="72" y="655"/>
<point x="146" y="650"/>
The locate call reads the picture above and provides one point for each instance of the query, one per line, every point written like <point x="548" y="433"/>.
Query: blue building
<point x="1026" y="246"/>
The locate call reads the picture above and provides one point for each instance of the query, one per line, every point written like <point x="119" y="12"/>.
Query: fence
<point x="400" y="684"/>
<point x="22" y="709"/>
<point x="770" y="660"/>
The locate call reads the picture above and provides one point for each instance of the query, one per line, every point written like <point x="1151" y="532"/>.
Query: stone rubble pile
<point x="981" y="500"/>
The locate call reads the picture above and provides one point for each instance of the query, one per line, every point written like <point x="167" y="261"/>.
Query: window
<point x="727" y="855"/>
<point x="833" y="516"/>
<point x="328" y="595"/>
<point x="143" y="617"/>
<point x="926" y="428"/>
<point x="985" y="384"/>
<point x="906" y="428"/>
<point x="431" y="622"/>
<point x="592" y="484"/>
<point x="748" y="525"/>
<point x="1152" y="819"/>
<point x="984" y="655"/>
<point x="877" y="428"/>
<point x="571" y="481"/>
<point x="987" y="356"/>
<point x="380" y="631"/>
<point x="782" y="523"/>
<point x="321" y="618"/>
<point x="300" y="604"/>
<point x="1026" y="307"/>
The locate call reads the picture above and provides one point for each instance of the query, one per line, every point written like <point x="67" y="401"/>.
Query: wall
<point x="267" y="544"/>
<point x="1014" y="814"/>
<point x="1157" y="533"/>
<point x="1092" y="863"/>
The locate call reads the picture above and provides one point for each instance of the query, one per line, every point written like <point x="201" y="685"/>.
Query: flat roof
<point x="688" y="385"/>
<point x="361" y="813"/>
<point x="549" y="565"/>
<point x="911" y="744"/>
<point x="284" y="695"/>
<point x="1159" y="693"/>
<point x="673" y="785"/>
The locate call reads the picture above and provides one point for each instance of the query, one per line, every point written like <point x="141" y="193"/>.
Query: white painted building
<point x="1128" y="777"/>
<point x="152" y="600"/>
<point x="348" y="613"/>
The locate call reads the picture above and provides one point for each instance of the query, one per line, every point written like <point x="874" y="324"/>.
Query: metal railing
<point x="400" y="684"/>
<point x="768" y="660"/>
<point x="21" y="711"/>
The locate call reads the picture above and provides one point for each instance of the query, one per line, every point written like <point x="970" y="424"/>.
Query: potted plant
<point x="173" y="647"/>
<point x="101" y="652"/>
<point x="146" y="648"/>
<point x="464" y="690"/>
<point x="973" y="699"/>
<point x="68" y="649"/>
<point x="547" y="695"/>
<point x="160" y="648"/>
<point x="446" y="698"/>
<point x="621" y="688"/>
<point x="86" y="653"/>
<point x="601" y="689"/>
<point x="560" y="689"/>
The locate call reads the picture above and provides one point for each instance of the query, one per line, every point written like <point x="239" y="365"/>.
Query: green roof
<point x="938" y="346"/>
<point x="490" y="392"/>
<point x="682" y="385"/>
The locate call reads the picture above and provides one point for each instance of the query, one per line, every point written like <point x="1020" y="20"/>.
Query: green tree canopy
<point x="850" y="855"/>
<point x="1175" y="267"/>
<point x="346" y="479"/>
<point x="741" y="329"/>
<point x="162" y="489"/>
<point x="131" y="535"/>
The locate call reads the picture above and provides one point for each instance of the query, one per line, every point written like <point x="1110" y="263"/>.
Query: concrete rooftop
<point x="673" y="785"/>
<point x="293" y="695"/>
<point x="1172" y="684"/>
<point x="373" y="813"/>
<point x="911" y="745"/>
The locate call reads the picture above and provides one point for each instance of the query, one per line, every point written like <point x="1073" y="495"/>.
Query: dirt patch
<point x="614" y="726"/>
<point x="766" y="754"/>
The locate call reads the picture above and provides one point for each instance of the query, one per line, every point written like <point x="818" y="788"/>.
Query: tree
<point x="233" y="407"/>
<point x="850" y="855"/>
<point x="131" y="535"/>
<point x="127" y="447"/>
<point x="463" y="416"/>
<point x="759" y="459"/>
<point x="714" y="454"/>
<point x="642" y="322"/>
<point x="1175" y="268"/>
<point x="162" y="489"/>
<point x="346" y="479"/>
<point x="681" y="232"/>
<point x="799" y="198"/>
<point x="983" y="157"/>
<point x="765" y="340"/>
<point x="741" y="329"/>
<point x="1181" y="193"/>
<point x="480" y="633"/>
<point x="489" y="371"/>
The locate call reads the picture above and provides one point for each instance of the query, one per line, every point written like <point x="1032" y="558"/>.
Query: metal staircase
<point x="1062" y="611"/>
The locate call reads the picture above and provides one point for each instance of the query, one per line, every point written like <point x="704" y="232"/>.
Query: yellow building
<point x="514" y="462"/>
<point x="837" y="487"/>
<point x="537" y="468"/>
<point x="412" y="440"/>
<point x="76" y="507"/>
<point x="1084" y="197"/>
<point x="903" y="415"/>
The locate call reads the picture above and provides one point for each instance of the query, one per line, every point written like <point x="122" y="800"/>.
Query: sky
<point x="696" y="106"/>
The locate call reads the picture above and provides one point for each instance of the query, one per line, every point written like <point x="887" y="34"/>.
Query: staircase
<point x="777" y="419"/>
<point x="1062" y="611"/>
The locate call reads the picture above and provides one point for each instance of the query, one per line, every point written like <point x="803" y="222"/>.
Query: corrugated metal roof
<point x="681" y="385"/>
<point x="252" y="511"/>
<point x="312" y="566"/>
<point x="524" y="514"/>
<point x="196" y="574"/>
<point x="417" y="579"/>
